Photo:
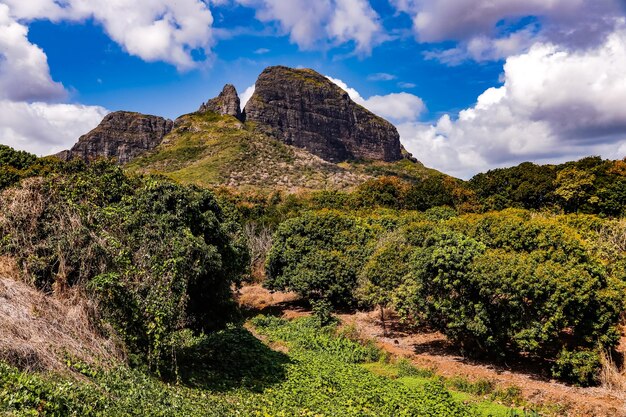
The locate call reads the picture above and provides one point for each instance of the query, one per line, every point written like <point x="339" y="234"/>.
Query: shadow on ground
<point x="230" y="359"/>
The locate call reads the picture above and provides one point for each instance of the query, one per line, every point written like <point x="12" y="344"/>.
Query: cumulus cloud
<point x="24" y="71"/>
<point x="43" y="128"/>
<point x="483" y="27"/>
<point x="154" y="30"/>
<point x="311" y="24"/>
<point x="483" y="48"/>
<point x="397" y="107"/>
<point x="245" y="96"/>
<point x="26" y="122"/>
<point x="555" y="104"/>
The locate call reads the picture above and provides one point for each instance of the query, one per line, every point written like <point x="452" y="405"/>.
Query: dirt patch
<point x="255" y="299"/>
<point x="432" y="350"/>
<point x="40" y="332"/>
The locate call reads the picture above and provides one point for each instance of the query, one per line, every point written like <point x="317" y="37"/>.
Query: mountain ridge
<point x="298" y="131"/>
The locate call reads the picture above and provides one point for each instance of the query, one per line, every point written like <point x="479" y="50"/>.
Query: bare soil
<point x="428" y="349"/>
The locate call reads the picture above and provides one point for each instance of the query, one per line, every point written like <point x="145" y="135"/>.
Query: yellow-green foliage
<point x="497" y="284"/>
<point x="211" y="150"/>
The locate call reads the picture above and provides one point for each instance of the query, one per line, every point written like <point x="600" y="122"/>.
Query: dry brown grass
<point x="611" y="376"/>
<point x="41" y="332"/>
<point x="258" y="298"/>
<point x="259" y="240"/>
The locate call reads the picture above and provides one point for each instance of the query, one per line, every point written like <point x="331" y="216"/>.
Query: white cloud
<point x="355" y="20"/>
<point x="397" y="107"/>
<point x="555" y="105"/>
<point x="24" y="71"/>
<point x="43" y="128"/>
<point x="311" y="24"/>
<point x="381" y="76"/>
<point x="483" y="48"/>
<point x="37" y="126"/>
<point x="245" y="96"/>
<point x="154" y="30"/>
<point x="483" y="26"/>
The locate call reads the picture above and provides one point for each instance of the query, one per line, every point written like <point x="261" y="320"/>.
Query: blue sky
<point x="471" y="85"/>
<point x="99" y="72"/>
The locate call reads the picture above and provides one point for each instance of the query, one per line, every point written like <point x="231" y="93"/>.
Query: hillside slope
<point x="208" y="149"/>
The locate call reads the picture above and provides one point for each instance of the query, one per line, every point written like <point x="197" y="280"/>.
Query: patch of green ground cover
<point x="483" y="402"/>
<point x="482" y="394"/>
<point x="232" y="373"/>
<point x="304" y="336"/>
<point x="120" y="392"/>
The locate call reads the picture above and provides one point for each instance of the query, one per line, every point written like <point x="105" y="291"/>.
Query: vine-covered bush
<point x="158" y="257"/>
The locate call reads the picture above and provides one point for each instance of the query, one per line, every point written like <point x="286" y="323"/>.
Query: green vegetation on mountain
<point x="207" y="149"/>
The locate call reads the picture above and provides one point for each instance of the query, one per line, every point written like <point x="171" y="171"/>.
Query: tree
<point x="573" y="187"/>
<point x="384" y="272"/>
<point x="319" y="256"/>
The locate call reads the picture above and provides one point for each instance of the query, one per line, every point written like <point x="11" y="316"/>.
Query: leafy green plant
<point x="158" y="257"/>
<point x="581" y="367"/>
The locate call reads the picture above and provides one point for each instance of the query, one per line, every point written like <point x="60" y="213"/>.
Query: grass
<point x="212" y="150"/>
<point x="481" y="397"/>
<point x="481" y="394"/>
<point x="323" y="373"/>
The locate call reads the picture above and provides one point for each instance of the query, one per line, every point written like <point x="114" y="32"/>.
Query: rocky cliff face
<point x="227" y="103"/>
<point x="120" y="135"/>
<point x="303" y="108"/>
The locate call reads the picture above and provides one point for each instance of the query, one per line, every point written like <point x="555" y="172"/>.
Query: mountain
<point x="303" y="108"/>
<point x="210" y="149"/>
<point x="227" y="103"/>
<point x="121" y="135"/>
<point x="299" y="131"/>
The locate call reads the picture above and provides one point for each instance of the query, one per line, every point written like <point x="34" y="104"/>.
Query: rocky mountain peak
<point x="303" y="108"/>
<point x="121" y="135"/>
<point x="227" y="103"/>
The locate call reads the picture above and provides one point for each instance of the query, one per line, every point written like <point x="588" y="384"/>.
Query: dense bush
<point x="497" y="284"/>
<point x="590" y="185"/>
<point x="17" y="165"/>
<point x="384" y="272"/>
<point x="158" y="256"/>
<point x="319" y="256"/>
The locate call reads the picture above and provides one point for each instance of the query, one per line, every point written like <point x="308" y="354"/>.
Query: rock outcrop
<point x="120" y="135"/>
<point x="303" y="108"/>
<point x="227" y="103"/>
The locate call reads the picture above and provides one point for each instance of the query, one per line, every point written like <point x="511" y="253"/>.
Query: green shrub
<point x="159" y="257"/>
<point x="581" y="367"/>
<point x="319" y="256"/>
<point x="498" y="302"/>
